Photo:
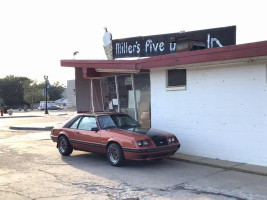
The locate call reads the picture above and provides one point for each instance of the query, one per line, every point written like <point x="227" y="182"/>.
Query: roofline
<point x="232" y="52"/>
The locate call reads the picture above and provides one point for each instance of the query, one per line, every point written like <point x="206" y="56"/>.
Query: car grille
<point x="159" y="140"/>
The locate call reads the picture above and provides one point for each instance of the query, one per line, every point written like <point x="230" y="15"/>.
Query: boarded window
<point x="176" y="78"/>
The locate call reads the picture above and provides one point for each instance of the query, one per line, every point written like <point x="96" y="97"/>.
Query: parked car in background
<point x="115" y="134"/>
<point x="54" y="108"/>
<point x="43" y="104"/>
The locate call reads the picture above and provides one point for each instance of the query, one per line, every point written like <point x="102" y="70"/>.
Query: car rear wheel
<point x="64" y="146"/>
<point x="115" y="155"/>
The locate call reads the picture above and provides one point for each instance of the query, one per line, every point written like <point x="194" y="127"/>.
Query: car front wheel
<point x="64" y="146"/>
<point x="115" y="155"/>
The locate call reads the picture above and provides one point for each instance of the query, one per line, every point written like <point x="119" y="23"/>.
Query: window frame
<point x="178" y="87"/>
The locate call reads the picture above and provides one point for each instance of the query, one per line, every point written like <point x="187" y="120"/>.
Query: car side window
<point x="87" y="123"/>
<point x="106" y="121"/>
<point x="75" y="124"/>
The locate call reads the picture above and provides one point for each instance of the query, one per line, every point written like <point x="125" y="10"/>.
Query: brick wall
<point x="221" y="114"/>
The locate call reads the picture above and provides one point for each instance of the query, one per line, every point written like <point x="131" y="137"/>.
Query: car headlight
<point x="139" y="143"/>
<point x="145" y="143"/>
<point x="142" y="143"/>
<point x="171" y="139"/>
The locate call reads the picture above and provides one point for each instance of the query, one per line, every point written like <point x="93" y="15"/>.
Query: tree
<point x="55" y="91"/>
<point x="12" y="91"/>
<point x="18" y="91"/>
<point x="33" y="92"/>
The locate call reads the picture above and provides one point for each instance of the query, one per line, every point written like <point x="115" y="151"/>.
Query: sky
<point x="36" y="34"/>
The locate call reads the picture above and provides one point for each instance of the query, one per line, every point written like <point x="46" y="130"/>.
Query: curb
<point x="234" y="168"/>
<point x="4" y="117"/>
<point x="47" y="128"/>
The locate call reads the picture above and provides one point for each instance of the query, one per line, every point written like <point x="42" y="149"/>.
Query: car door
<point x="86" y="136"/>
<point x="71" y="131"/>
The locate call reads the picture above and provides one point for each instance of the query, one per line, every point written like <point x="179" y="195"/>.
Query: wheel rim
<point x="62" y="145"/>
<point x="114" y="155"/>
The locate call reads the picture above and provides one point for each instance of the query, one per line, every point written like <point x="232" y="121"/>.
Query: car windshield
<point x="122" y="121"/>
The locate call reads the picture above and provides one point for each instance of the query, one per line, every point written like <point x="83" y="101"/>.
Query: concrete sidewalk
<point x="33" y="121"/>
<point x="34" y="127"/>
<point x="224" y="164"/>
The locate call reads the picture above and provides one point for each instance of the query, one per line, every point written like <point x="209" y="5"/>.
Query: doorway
<point x="128" y="94"/>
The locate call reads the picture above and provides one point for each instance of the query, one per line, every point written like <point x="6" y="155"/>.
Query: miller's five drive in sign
<point x="155" y="45"/>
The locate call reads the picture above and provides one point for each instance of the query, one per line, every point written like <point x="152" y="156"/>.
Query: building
<point x="214" y="100"/>
<point x="71" y="94"/>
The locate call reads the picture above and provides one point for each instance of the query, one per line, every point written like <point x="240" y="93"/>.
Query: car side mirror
<point x="95" y="129"/>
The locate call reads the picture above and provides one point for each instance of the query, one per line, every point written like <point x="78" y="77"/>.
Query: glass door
<point x="109" y="96"/>
<point x="126" y="95"/>
<point x="142" y="90"/>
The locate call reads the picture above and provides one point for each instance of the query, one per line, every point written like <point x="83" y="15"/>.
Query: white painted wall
<point x="71" y="94"/>
<point x="222" y="113"/>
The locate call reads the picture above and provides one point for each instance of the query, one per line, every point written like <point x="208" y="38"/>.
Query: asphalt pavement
<point x="38" y="121"/>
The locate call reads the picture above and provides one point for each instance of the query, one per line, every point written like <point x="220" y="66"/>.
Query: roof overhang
<point x="215" y="56"/>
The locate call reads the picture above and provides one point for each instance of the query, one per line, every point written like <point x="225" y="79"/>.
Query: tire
<point x="115" y="155"/>
<point x="64" y="146"/>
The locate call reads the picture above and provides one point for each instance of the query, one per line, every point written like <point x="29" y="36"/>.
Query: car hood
<point x="159" y="137"/>
<point x="150" y="132"/>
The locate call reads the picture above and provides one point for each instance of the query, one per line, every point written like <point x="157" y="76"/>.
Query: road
<point x="32" y="168"/>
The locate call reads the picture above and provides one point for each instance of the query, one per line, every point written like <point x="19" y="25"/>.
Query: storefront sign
<point x="155" y="45"/>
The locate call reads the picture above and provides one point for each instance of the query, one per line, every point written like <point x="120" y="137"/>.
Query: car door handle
<point x="76" y="132"/>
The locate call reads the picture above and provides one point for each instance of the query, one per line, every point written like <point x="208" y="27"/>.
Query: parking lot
<point x="32" y="168"/>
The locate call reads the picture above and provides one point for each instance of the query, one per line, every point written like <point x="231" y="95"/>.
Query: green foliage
<point x="18" y="91"/>
<point x="12" y="91"/>
<point x="55" y="91"/>
<point x="33" y="92"/>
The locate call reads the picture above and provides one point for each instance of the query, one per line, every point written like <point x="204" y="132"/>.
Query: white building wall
<point x="222" y="113"/>
<point x="71" y="94"/>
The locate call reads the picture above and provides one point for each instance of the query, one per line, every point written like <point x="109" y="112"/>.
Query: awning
<point x="101" y="68"/>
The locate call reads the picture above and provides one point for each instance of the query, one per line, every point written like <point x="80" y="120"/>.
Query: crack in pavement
<point x="208" y="191"/>
<point x="125" y="187"/>
<point x="17" y="193"/>
<point x="123" y="191"/>
<point x="209" y="175"/>
<point x="55" y="196"/>
<point x="128" y="191"/>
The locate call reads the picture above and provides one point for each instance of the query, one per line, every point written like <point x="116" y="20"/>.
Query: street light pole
<point x="46" y="82"/>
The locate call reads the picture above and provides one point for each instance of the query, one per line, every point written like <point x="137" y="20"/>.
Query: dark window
<point x="176" y="77"/>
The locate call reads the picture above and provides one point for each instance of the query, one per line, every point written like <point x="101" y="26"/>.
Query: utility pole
<point x="46" y="84"/>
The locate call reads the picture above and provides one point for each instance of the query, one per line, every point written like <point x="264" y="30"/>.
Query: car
<point x="117" y="135"/>
<point x="54" y="108"/>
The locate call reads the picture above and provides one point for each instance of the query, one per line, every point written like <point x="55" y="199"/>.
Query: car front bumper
<point x="150" y="154"/>
<point x="53" y="138"/>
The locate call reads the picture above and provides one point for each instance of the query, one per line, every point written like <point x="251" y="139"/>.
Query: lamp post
<point x="46" y="84"/>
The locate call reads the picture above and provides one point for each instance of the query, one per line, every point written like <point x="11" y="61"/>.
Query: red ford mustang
<point x="118" y="135"/>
